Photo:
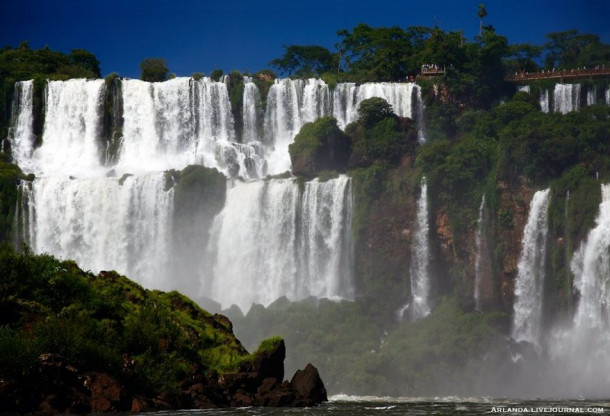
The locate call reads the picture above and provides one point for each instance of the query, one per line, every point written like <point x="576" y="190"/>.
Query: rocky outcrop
<point x="319" y="146"/>
<point x="60" y="388"/>
<point x="308" y="385"/>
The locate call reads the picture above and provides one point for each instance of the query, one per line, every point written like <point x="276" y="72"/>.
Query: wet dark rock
<point x="308" y="386"/>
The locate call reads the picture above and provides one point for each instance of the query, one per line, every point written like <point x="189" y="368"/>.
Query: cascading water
<point x="482" y="265"/>
<point x="544" y="101"/>
<point x="592" y="96"/>
<point x="72" y="127"/>
<point x="120" y="216"/>
<point x="183" y="121"/>
<point x="252" y="111"/>
<point x="290" y="104"/>
<point x="591" y="268"/>
<point x="420" y="258"/>
<point x="581" y="349"/>
<point x="105" y="223"/>
<point x="566" y="98"/>
<point x="527" y="318"/>
<point x="523" y="88"/>
<point x="405" y="99"/>
<point x="20" y="134"/>
<point x="272" y="240"/>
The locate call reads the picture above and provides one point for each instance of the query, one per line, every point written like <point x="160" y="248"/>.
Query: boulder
<point x="105" y="393"/>
<point x="269" y="360"/>
<point x="308" y="386"/>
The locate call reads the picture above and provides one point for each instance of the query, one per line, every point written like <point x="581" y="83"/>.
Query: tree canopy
<point x="305" y="61"/>
<point x="154" y="70"/>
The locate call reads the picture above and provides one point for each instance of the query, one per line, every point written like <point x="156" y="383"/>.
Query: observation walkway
<point x="569" y="74"/>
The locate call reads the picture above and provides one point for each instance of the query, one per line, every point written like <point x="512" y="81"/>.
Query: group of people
<point x="431" y="68"/>
<point x="553" y="71"/>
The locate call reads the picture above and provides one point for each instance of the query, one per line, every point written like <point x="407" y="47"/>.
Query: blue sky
<point x="199" y="36"/>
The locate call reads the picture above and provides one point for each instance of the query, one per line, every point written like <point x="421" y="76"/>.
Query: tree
<point x="377" y="54"/>
<point x="305" y="61"/>
<point x="154" y="70"/>
<point x="86" y="60"/>
<point x="523" y="57"/>
<point x="569" y="49"/>
<point x="373" y="110"/>
<point x="481" y="13"/>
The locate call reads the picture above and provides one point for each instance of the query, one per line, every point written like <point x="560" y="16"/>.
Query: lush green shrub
<point x="372" y="110"/>
<point x="216" y="75"/>
<point x="154" y="70"/>
<point x="94" y="322"/>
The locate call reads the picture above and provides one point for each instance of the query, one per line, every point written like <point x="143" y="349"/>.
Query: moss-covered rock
<point x="74" y="342"/>
<point x="319" y="146"/>
<point x="113" y="120"/>
<point x="10" y="175"/>
<point x="199" y="195"/>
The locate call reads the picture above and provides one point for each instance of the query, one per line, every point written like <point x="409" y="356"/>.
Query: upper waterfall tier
<point x="564" y="98"/>
<point x="183" y="121"/>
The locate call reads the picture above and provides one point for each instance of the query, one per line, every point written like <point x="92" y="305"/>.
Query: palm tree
<point x="481" y="13"/>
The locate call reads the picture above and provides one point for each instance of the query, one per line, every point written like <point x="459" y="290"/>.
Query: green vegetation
<point x="10" y="175"/>
<point x="148" y="340"/>
<point x="447" y="352"/>
<point x="154" y="70"/>
<point x="197" y="186"/>
<point x="356" y="355"/>
<point x="23" y="63"/>
<point x="379" y="134"/>
<point x="319" y="146"/>
<point x="199" y="195"/>
<point x="305" y="61"/>
<point x="236" y="97"/>
<point x="216" y="75"/>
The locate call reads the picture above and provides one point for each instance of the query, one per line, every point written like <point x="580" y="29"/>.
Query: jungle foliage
<point x="24" y="63"/>
<point x="148" y="340"/>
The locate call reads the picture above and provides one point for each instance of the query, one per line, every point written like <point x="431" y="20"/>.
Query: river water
<point x="342" y="405"/>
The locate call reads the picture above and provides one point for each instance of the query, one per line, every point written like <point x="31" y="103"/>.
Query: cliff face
<point x="385" y="239"/>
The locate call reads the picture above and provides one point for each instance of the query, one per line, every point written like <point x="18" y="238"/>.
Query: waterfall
<point x="482" y="264"/>
<point x="527" y="318"/>
<point x="581" y="350"/>
<point x="72" y="128"/>
<point x="566" y="98"/>
<point x="118" y="213"/>
<point x="544" y="101"/>
<point x="24" y="211"/>
<point x="420" y="279"/>
<point x="251" y="111"/>
<point x="523" y="88"/>
<point x="419" y="119"/>
<point x="405" y="99"/>
<point x="290" y="104"/>
<point x="591" y="268"/>
<point x="592" y="96"/>
<point x="608" y="96"/>
<point x="105" y="223"/>
<point x="20" y="134"/>
<point x="271" y="240"/>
